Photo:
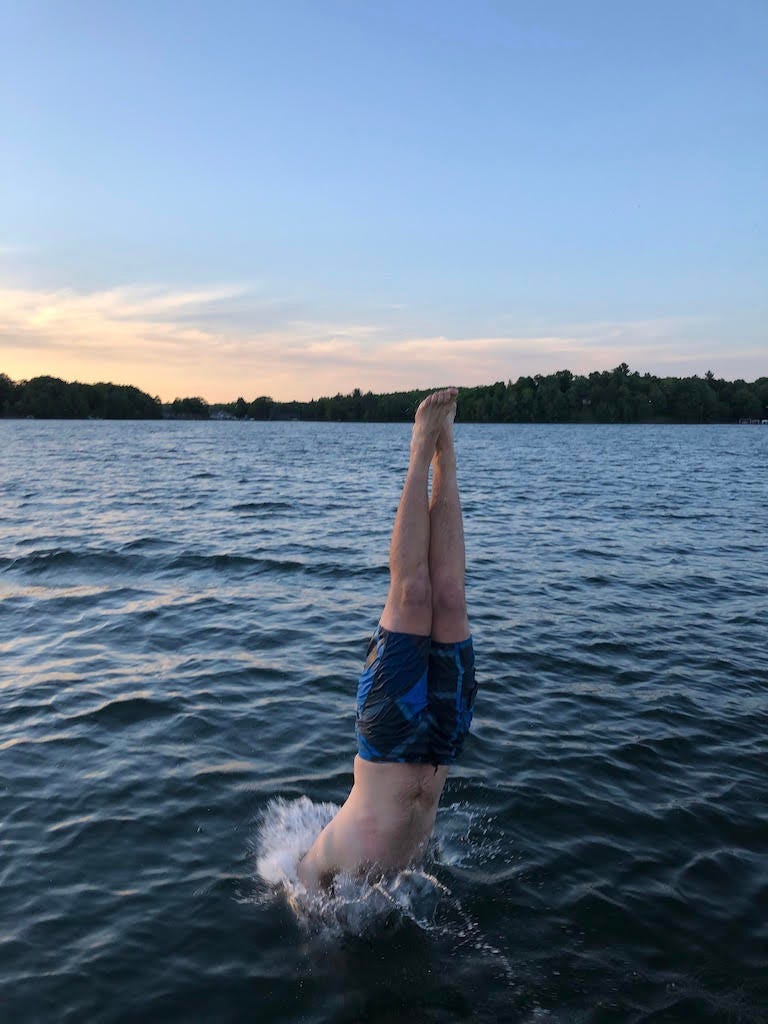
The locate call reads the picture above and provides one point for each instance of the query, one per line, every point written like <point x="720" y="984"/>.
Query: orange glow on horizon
<point x="168" y="344"/>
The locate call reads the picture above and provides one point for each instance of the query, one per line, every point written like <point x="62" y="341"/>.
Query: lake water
<point x="184" y="612"/>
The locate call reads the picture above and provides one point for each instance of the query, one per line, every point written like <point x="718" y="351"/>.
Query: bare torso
<point x="385" y="822"/>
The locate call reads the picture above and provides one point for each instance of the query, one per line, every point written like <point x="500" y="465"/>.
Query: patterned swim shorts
<point x="414" y="699"/>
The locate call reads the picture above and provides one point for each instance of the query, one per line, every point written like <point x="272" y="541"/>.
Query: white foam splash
<point x="366" y="907"/>
<point x="288" y="829"/>
<point x="355" y="906"/>
<point x="465" y="836"/>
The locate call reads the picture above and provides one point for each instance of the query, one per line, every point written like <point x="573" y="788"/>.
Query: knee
<point x="448" y="598"/>
<point x="414" y="591"/>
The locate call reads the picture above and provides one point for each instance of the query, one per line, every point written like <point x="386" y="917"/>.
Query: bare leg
<point x="409" y="603"/>
<point x="446" y="549"/>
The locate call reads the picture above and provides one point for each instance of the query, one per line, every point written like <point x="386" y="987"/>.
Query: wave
<point x="129" y="559"/>
<point x="50" y="558"/>
<point x="127" y="711"/>
<point x="146" y="544"/>
<point x="263" y="506"/>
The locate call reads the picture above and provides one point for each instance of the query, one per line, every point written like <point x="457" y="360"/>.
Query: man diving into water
<point x="415" y="696"/>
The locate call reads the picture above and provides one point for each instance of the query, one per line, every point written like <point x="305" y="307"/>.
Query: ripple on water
<point x="183" y="612"/>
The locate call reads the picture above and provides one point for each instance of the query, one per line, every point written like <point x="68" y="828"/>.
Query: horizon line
<point x="400" y="391"/>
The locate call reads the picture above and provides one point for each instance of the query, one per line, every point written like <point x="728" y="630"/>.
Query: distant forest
<point x="611" y="396"/>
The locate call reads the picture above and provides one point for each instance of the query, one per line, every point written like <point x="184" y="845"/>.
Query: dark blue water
<point x="184" y="609"/>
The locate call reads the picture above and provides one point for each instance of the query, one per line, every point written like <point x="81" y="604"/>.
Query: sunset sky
<point x="299" y="198"/>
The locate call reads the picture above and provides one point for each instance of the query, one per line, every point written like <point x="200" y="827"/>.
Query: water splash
<point x="352" y="905"/>
<point x="287" y="830"/>
<point x="369" y="906"/>
<point x="465" y="836"/>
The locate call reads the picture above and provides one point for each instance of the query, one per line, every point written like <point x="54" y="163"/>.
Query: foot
<point x="430" y="420"/>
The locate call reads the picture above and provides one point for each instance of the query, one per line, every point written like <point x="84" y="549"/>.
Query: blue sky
<point x="296" y="198"/>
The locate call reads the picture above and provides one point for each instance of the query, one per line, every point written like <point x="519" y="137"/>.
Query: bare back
<point x="386" y="820"/>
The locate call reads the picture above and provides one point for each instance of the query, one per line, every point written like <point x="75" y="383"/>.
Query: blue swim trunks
<point x="414" y="699"/>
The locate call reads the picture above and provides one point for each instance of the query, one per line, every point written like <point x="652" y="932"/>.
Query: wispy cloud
<point x="225" y="340"/>
<point x="106" y="319"/>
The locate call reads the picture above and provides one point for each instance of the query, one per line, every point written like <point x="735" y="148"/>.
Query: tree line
<point x="51" y="398"/>
<point x="610" y="396"/>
